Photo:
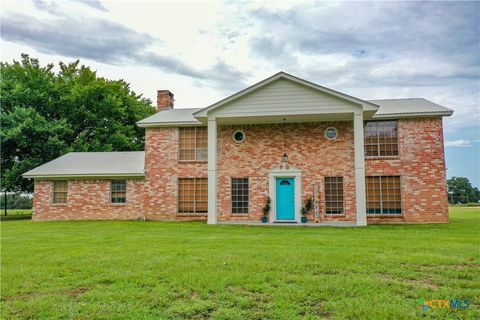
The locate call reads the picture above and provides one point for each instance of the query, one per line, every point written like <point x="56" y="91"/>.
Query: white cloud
<point x="460" y="143"/>
<point x="369" y="50"/>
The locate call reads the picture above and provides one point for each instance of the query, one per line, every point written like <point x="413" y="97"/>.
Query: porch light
<point x="285" y="158"/>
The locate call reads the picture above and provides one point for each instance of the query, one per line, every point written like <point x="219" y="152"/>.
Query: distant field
<point x="16" y="214"/>
<point x="16" y="211"/>
<point x="190" y="270"/>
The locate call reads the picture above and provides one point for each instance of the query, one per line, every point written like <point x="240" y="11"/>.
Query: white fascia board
<point x="171" y="124"/>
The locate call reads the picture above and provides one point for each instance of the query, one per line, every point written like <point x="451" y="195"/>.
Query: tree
<point x="460" y="190"/>
<point x="45" y="114"/>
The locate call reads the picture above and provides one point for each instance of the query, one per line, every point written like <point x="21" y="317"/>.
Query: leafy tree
<point x="16" y="201"/>
<point x="460" y="190"/>
<point x="45" y="114"/>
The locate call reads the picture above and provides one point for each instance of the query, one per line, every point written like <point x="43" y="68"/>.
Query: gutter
<point x="413" y="115"/>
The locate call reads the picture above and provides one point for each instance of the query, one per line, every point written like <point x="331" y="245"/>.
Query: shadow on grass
<point x="16" y="217"/>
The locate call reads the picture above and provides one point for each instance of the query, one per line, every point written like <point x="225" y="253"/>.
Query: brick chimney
<point x="164" y="100"/>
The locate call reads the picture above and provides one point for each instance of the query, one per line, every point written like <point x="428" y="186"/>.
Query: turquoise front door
<point x="285" y="204"/>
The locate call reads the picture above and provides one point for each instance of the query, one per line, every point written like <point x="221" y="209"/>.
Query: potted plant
<point x="266" y="210"/>
<point x="305" y="209"/>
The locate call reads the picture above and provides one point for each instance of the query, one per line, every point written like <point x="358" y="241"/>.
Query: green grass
<point x="15" y="214"/>
<point x="145" y="270"/>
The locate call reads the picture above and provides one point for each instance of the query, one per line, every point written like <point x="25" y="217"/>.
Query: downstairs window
<point x="60" y="191"/>
<point x="118" y="191"/>
<point x="239" y="195"/>
<point x="192" y="195"/>
<point x="334" y="195"/>
<point x="383" y="195"/>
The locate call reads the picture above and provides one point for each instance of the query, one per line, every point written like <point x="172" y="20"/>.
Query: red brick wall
<point x="420" y="164"/>
<point x="162" y="170"/>
<point x="307" y="149"/>
<point x="87" y="200"/>
<point x="421" y="167"/>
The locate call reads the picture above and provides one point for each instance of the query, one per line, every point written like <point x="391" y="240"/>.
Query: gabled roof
<point x="366" y="104"/>
<point x="92" y="164"/>
<point x="385" y="108"/>
<point x="409" y="107"/>
<point x="171" y="117"/>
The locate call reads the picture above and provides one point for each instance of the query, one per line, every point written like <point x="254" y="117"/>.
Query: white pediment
<point x="284" y="94"/>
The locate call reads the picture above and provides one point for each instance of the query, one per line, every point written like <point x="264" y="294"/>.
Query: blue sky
<point x="204" y="51"/>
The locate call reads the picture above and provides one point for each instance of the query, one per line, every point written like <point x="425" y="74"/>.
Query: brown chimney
<point x="164" y="100"/>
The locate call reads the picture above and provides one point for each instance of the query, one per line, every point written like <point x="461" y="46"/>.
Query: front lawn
<point x="185" y="270"/>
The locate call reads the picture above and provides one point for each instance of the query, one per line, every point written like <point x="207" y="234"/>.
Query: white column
<point x="212" y="171"/>
<point x="359" y="168"/>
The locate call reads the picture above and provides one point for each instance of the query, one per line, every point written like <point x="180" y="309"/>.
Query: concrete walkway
<point x="287" y="224"/>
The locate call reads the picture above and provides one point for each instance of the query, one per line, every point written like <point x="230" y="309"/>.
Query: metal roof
<point x="171" y="117"/>
<point x="387" y="107"/>
<point x="92" y="164"/>
<point x="411" y="107"/>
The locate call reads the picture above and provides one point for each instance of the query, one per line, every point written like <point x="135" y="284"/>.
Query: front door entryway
<point x="285" y="199"/>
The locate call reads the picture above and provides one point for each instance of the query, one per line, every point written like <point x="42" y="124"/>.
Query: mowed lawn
<point x="188" y="270"/>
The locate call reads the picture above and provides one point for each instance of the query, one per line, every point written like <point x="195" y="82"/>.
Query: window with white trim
<point x="383" y="195"/>
<point x="334" y="195"/>
<point x="239" y="195"/>
<point x="193" y="144"/>
<point x="60" y="191"/>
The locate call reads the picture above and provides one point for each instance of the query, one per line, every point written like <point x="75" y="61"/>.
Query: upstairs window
<point x="118" y="191"/>
<point x="381" y="139"/>
<point x="60" y="190"/>
<point x="193" y="144"/>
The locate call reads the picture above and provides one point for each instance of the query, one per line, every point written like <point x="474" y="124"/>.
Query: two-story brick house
<point x="379" y="161"/>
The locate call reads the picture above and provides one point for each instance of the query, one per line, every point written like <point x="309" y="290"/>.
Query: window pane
<point x="334" y="195"/>
<point x="201" y="195"/>
<point x="60" y="189"/>
<point x="239" y="195"/>
<point x="202" y="138"/>
<point x="383" y="195"/>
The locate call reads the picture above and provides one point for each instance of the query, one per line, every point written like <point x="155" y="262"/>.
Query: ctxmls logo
<point x="449" y="304"/>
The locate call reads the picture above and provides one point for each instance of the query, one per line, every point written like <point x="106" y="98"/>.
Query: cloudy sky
<point x="204" y="51"/>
